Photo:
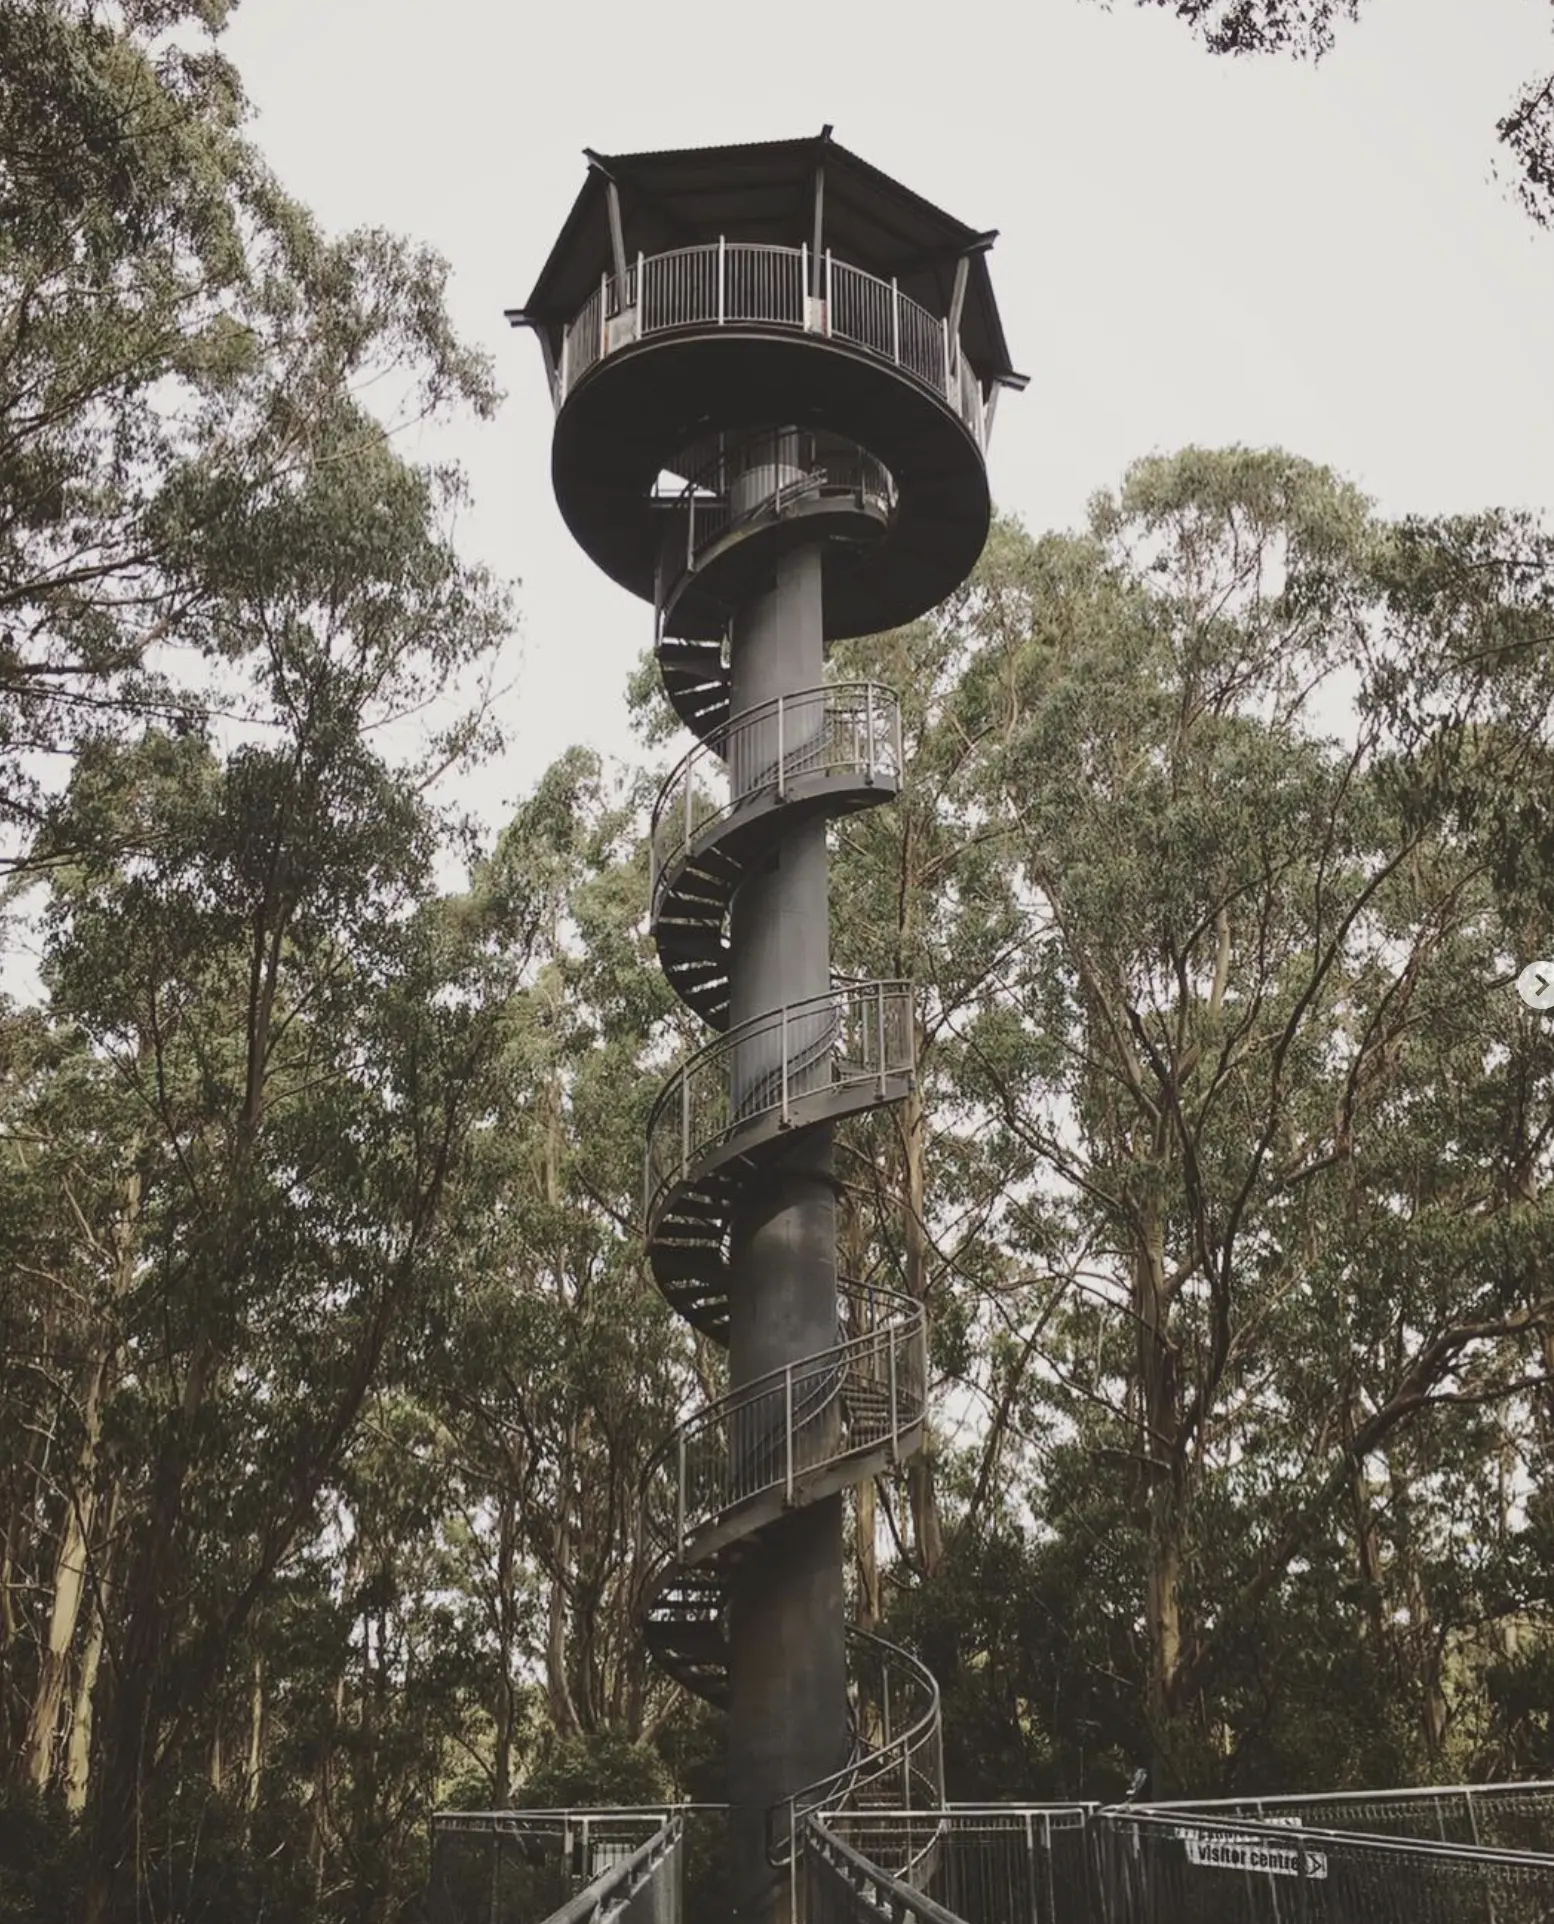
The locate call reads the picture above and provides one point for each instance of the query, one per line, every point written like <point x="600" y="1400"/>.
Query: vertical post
<point x="566" y="357"/>
<point x="895" y="1404"/>
<point x="895" y="321"/>
<point x="1030" y="1859"/>
<point x="944" y="336"/>
<point x="879" y="1025"/>
<point x="782" y="754"/>
<point x="900" y="751"/>
<point x="804" y="281"/>
<point x="690" y="790"/>
<point x="868" y="732"/>
<point x="636" y="290"/>
<point x="787" y="1427"/>
<point x="784" y="1044"/>
<point x="829" y="327"/>
<point x="820" y="205"/>
<point x="722" y="275"/>
<point x="604" y="311"/>
<point x="1305" y="1881"/>
<point x="690" y="529"/>
<point x="685" y="1118"/>
<point x="679" y="1499"/>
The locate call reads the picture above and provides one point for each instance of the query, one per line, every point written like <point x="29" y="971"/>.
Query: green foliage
<point x="606" y="1768"/>
<point x="329" y="1357"/>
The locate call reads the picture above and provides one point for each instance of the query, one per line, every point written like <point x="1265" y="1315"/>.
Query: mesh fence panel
<point x="1077" y="1865"/>
<point x="518" y="1867"/>
<point x="1498" y="1816"/>
<point x="1007" y="1866"/>
<point x="1151" y="1869"/>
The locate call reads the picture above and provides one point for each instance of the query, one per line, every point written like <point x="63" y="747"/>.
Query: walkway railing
<point x="1498" y="1816"/>
<point x="1153" y="1867"/>
<point x="1002" y="1862"/>
<point x="738" y="479"/>
<point x="572" y="1867"/>
<point x="741" y="283"/>
<point x="1077" y="1864"/>
<point x="859" y="1035"/>
<point x="843" y="728"/>
<point x="898" y="1750"/>
<point x="767" y="1435"/>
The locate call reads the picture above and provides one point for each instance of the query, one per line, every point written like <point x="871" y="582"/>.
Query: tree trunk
<point x="69" y="1584"/>
<point x="133" y="1726"/>
<point x="256" y="1735"/>
<point x="1159" y="1399"/>
<point x="922" y="1490"/>
<point x="78" y="1763"/>
<point x="866" y="1553"/>
<point x="506" y="1620"/>
<point x="76" y="1529"/>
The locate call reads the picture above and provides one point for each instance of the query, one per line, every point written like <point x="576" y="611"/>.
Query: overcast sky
<point x="1191" y="250"/>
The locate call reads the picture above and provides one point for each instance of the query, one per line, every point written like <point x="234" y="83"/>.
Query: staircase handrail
<point x="675" y="1521"/>
<point x="694" y="1112"/>
<point x="871" y="711"/>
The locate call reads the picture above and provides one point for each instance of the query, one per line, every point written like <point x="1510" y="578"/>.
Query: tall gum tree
<point x="1251" y="957"/>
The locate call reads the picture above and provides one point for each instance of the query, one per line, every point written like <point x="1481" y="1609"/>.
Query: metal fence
<point x="1154" y="1867"/>
<point x="849" y="728"/>
<point x="574" y="1867"/>
<point x="878" y="1847"/>
<point x="732" y="283"/>
<point x="859" y="1034"/>
<point x="1498" y="1816"/>
<point x="1075" y="1864"/>
<point x="998" y="1865"/>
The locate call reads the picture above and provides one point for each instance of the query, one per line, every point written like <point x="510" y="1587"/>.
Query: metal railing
<point x="898" y="1749"/>
<point x="839" y="1885"/>
<point x="859" y="1034"/>
<point x="769" y="1434"/>
<point x="1003" y="1864"/>
<point x="1076" y="1864"/>
<point x="573" y="1867"/>
<point x="1155" y="1867"/>
<point x="732" y="283"/>
<point x="843" y="728"/>
<point x="1498" y="1816"/>
<point x="736" y="479"/>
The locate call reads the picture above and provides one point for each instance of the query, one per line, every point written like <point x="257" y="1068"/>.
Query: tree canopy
<point x="329" y="1357"/>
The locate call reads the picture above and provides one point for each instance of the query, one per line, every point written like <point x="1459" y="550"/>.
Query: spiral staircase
<point x="828" y="1421"/>
<point x="774" y="371"/>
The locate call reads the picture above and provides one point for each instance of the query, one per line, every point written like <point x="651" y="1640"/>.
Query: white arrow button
<point x="1535" y="985"/>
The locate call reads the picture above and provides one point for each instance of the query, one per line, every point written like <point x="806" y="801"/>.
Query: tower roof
<point x="765" y="191"/>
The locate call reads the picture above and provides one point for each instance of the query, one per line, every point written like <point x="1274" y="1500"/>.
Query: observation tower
<point x="774" y="372"/>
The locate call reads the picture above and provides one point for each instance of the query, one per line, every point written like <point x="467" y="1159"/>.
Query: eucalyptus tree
<point x="563" y="1368"/>
<point x="175" y="332"/>
<point x="1232" y="1309"/>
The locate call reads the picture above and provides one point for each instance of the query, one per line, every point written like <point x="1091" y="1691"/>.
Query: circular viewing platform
<point x="729" y="336"/>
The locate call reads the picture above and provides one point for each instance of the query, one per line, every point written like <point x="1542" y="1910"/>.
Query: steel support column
<point x="787" y="1672"/>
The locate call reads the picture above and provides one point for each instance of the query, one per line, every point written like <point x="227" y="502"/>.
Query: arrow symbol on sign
<point x="1535" y="985"/>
